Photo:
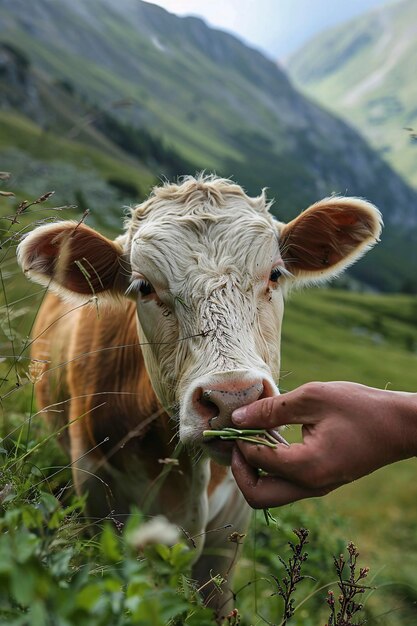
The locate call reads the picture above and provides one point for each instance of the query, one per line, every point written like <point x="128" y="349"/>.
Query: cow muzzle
<point x="222" y="402"/>
<point x="212" y="400"/>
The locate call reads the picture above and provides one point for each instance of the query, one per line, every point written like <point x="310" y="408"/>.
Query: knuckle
<point x="313" y="390"/>
<point x="267" y="408"/>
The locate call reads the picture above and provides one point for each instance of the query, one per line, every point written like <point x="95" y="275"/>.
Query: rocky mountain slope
<point x="127" y="93"/>
<point x="364" y="71"/>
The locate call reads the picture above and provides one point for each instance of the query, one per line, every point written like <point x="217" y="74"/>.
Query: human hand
<point x="349" y="430"/>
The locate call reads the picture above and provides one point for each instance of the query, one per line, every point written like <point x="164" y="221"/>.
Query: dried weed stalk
<point x="288" y="584"/>
<point x="350" y="589"/>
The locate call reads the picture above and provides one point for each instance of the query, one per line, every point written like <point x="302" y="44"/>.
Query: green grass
<point x="332" y="335"/>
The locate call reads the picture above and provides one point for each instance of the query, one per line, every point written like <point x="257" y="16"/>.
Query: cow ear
<point x="73" y="258"/>
<point x="328" y="237"/>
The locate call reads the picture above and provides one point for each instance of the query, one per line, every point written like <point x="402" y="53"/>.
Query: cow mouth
<point x="218" y="450"/>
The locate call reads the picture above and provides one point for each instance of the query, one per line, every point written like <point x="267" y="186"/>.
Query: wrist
<point x="404" y="423"/>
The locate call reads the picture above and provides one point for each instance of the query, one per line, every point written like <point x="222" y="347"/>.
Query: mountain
<point x="363" y="71"/>
<point x="109" y="97"/>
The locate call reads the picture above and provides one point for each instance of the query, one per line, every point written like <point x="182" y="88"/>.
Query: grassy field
<point x="328" y="334"/>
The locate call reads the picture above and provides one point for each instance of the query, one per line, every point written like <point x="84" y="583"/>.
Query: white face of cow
<point x="210" y="304"/>
<point x="208" y="267"/>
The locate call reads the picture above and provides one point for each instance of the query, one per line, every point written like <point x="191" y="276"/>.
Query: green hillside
<point x="149" y="95"/>
<point x="369" y="338"/>
<point x="363" y="71"/>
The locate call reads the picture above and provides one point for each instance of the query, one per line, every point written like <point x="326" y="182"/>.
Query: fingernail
<point x="239" y="414"/>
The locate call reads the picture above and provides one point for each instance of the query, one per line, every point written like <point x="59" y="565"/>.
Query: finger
<point x="289" y="408"/>
<point x="268" y="491"/>
<point x="291" y="462"/>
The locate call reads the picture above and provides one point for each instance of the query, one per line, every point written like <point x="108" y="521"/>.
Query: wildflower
<point x="157" y="530"/>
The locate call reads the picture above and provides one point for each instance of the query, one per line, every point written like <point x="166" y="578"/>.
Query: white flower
<point x="157" y="530"/>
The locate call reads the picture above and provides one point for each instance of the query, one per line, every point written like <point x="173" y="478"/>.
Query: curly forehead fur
<point x="201" y="198"/>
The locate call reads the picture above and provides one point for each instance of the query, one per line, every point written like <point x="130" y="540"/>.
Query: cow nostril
<point x="215" y="405"/>
<point x="206" y="396"/>
<point x="267" y="390"/>
<point x="205" y="407"/>
<point x="211" y="410"/>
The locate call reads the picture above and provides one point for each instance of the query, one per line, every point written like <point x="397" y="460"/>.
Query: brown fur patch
<point x="217" y="475"/>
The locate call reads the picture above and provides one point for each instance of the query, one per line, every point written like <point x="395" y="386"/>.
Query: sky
<point x="277" y="27"/>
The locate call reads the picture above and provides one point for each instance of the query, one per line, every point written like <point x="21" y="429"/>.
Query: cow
<point x="156" y="336"/>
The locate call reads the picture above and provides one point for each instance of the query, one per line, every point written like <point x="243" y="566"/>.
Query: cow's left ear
<point x="328" y="237"/>
<point x="73" y="259"/>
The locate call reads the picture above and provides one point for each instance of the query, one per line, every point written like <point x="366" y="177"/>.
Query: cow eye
<point x="145" y="288"/>
<point x="140" y="286"/>
<point x="275" y="274"/>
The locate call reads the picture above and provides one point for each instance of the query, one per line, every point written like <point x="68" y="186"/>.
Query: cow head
<point x="208" y="268"/>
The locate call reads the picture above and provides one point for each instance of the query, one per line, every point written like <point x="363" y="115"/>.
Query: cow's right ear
<point x="74" y="259"/>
